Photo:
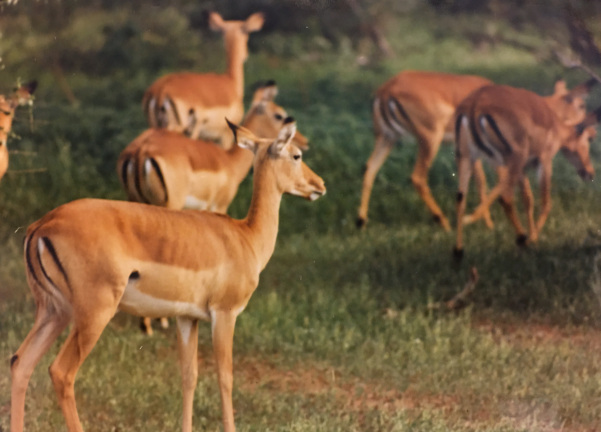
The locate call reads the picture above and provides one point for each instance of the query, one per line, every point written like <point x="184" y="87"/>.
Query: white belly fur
<point x="166" y="291"/>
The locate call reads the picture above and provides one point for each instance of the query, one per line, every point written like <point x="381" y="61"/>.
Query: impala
<point x="168" y="169"/>
<point x="88" y="258"/>
<point x="8" y="105"/>
<point x="196" y="104"/>
<point x="422" y="104"/>
<point x="516" y="129"/>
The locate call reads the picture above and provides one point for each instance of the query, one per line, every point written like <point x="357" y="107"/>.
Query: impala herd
<point x="162" y="260"/>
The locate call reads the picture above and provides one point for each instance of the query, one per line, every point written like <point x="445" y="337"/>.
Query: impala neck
<point x="242" y="160"/>
<point x="237" y="52"/>
<point x="263" y="215"/>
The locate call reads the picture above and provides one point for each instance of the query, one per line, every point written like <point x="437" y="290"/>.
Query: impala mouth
<point x="316" y="194"/>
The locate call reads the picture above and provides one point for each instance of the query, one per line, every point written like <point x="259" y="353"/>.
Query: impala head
<point x="266" y="118"/>
<point x="236" y="33"/>
<point x="569" y="105"/>
<point x="21" y="96"/>
<point x="292" y="175"/>
<point x="576" y="149"/>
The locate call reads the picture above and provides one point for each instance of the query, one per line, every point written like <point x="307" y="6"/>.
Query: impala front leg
<point x="379" y="155"/>
<point x="187" y="343"/>
<point x="528" y="199"/>
<point x="223" y="323"/>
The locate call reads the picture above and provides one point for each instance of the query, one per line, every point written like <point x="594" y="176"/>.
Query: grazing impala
<point x="89" y="258"/>
<point x="8" y="105"/>
<point x="196" y="104"/>
<point x="516" y="129"/>
<point x="168" y="169"/>
<point x="422" y="104"/>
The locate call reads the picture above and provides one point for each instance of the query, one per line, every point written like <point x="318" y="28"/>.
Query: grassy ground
<point x="339" y="335"/>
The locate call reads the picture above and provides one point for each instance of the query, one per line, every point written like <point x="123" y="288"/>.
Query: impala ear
<point x="265" y="92"/>
<point x="216" y="22"/>
<point x="254" y="22"/>
<point x="285" y="135"/>
<point x="244" y="137"/>
<point x="560" y="88"/>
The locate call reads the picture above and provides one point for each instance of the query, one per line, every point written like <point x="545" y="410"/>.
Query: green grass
<point x="339" y="335"/>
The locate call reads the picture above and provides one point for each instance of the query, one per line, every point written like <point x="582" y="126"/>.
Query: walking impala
<point x="422" y="104"/>
<point x="8" y="105"/>
<point x="168" y="169"/>
<point x="196" y="104"/>
<point x="88" y="258"/>
<point x="516" y="129"/>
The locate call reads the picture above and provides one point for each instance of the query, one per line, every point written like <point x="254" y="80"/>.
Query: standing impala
<point x="168" y="169"/>
<point x="196" y="104"/>
<point x="422" y="104"/>
<point x="516" y="129"/>
<point x="89" y="258"/>
<point x="8" y="105"/>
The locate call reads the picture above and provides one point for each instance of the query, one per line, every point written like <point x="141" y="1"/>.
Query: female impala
<point x="21" y="96"/>
<point x="168" y="169"/>
<point x="86" y="259"/>
<point x="422" y="104"/>
<point x="196" y="104"/>
<point x="515" y="129"/>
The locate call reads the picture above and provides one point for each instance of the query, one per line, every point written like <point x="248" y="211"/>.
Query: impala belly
<point x="160" y="290"/>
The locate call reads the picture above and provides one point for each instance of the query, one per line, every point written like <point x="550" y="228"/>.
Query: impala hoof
<point x="360" y="222"/>
<point x="521" y="240"/>
<point x="457" y="254"/>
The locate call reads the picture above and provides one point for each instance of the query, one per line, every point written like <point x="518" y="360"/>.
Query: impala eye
<point x="296" y="157"/>
<point x="279" y="117"/>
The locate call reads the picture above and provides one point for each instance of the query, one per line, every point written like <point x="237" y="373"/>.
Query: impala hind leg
<point x="382" y="148"/>
<point x="495" y="192"/>
<point x="427" y="151"/>
<point x="48" y="325"/>
<point x="84" y="334"/>
<point x="464" y="168"/>
<point x="223" y="340"/>
<point x="187" y="343"/>
<point x="480" y="177"/>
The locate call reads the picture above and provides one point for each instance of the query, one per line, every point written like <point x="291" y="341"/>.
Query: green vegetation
<point x="339" y="335"/>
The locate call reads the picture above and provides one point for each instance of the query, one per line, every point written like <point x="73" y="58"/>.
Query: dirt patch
<point x="524" y="333"/>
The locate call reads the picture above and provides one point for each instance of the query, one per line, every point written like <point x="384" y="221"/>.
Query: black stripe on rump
<point x="57" y="261"/>
<point x="497" y="131"/>
<point x="479" y="143"/>
<point x="385" y="114"/>
<point x="398" y="105"/>
<point x="28" y="259"/>
<point x="173" y="108"/>
<point x="137" y="184"/>
<point x="155" y="166"/>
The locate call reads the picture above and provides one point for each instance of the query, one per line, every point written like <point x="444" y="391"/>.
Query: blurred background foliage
<point x="94" y="59"/>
